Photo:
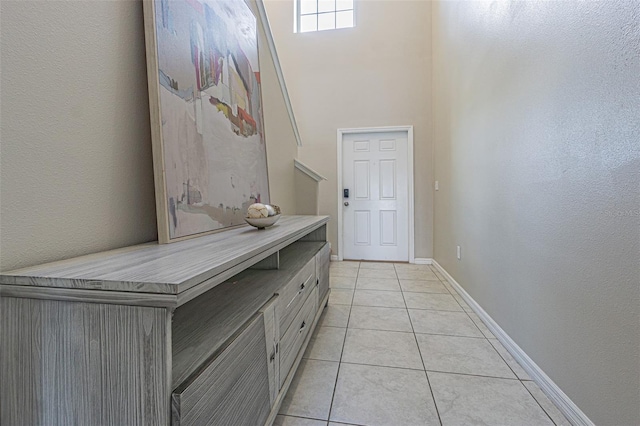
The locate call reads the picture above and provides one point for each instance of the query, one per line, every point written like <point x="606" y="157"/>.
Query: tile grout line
<point x="444" y="282"/>
<point x="425" y="309"/>
<point x="301" y="417"/>
<point x="433" y="398"/>
<point x="499" y="354"/>
<point x="406" y="309"/>
<point x="539" y="404"/>
<point x="468" y="315"/>
<point x="319" y="420"/>
<point x="483" y="335"/>
<point x="344" y="342"/>
<point x="435" y="371"/>
<point x="505" y="360"/>
<point x="474" y="375"/>
<point x="451" y="335"/>
<point x="415" y="309"/>
<point x="403" y="299"/>
<point x="453" y="294"/>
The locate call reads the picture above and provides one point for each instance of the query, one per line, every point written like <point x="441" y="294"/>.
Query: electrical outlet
<point x="437" y="186"/>
<point x="458" y="252"/>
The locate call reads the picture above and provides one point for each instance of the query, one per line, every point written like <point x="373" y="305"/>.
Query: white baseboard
<point x="555" y="394"/>
<point x="417" y="260"/>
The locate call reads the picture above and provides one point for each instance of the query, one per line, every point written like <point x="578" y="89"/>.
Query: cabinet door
<point x="294" y="337"/>
<point x="233" y="389"/>
<point x="322" y="271"/>
<point x="294" y="293"/>
<point x="272" y="335"/>
<point x="76" y="363"/>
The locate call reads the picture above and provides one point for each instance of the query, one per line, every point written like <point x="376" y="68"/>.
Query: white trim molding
<point x="410" y="178"/>
<point x="308" y="170"/>
<point x="276" y="61"/>
<point x="334" y="258"/>
<point x="570" y="410"/>
<point x="423" y="261"/>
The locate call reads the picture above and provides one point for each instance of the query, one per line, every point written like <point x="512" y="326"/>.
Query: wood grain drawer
<point x="294" y="293"/>
<point x="293" y="339"/>
<point x="322" y="270"/>
<point x="233" y="389"/>
<point x="271" y="337"/>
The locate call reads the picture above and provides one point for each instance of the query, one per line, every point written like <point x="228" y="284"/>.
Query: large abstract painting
<point x="206" y="114"/>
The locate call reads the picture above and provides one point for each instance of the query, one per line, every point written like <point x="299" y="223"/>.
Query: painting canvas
<point x="206" y="114"/>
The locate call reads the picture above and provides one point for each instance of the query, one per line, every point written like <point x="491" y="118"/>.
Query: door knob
<point x="346" y="203"/>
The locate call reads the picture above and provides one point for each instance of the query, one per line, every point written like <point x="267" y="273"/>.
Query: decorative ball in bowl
<point x="262" y="215"/>
<point x="262" y="222"/>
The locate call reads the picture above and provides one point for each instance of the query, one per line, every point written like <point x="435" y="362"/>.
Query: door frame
<point x="410" y="177"/>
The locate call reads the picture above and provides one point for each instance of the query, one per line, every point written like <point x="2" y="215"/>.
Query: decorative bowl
<point x="262" y="222"/>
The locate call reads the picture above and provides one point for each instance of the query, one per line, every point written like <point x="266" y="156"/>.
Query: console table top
<point x="167" y="268"/>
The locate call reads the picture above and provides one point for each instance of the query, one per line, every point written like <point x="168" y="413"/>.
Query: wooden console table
<point x="199" y="332"/>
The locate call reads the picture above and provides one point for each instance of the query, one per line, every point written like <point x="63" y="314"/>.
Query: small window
<point x="319" y="15"/>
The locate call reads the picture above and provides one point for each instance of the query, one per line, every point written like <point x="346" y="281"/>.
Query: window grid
<point x="338" y="6"/>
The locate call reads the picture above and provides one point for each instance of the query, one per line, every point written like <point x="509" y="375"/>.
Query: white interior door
<point x="375" y="214"/>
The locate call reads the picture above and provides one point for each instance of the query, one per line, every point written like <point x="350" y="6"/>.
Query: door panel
<point x="376" y="215"/>
<point x="362" y="228"/>
<point x="362" y="184"/>
<point x="361" y="146"/>
<point x="388" y="228"/>
<point x="387" y="145"/>
<point x="387" y="179"/>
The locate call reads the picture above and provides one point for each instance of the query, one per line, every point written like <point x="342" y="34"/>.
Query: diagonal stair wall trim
<point x="276" y="61"/>
<point x="299" y="165"/>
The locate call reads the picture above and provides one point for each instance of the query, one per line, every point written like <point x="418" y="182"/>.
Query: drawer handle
<point x="302" y="326"/>
<point x="302" y="286"/>
<point x="294" y="298"/>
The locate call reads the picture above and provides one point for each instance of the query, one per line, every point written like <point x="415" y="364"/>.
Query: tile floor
<point x="398" y="346"/>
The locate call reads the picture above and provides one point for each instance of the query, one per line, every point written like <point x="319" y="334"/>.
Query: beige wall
<point x="376" y="74"/>
<point x="282" y="147"/>
<point x="76" y="169"/>
<point x="307" y="194"/>
<point x="537" y="135"/>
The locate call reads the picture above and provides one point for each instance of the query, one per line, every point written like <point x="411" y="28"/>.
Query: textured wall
<point x="307" y="194"/>
<point x="282" y="146"/>
<point x="376" y="74"/>
<point x="537" y="142"/>
<point x="76" y="169"/>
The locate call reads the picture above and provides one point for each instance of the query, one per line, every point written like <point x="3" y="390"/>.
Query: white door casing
<point x="376" y="165"/>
